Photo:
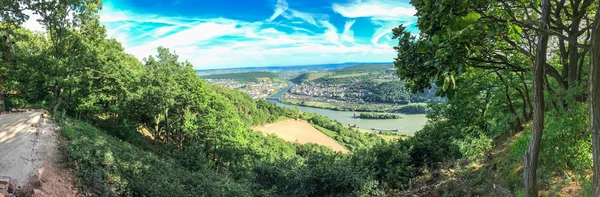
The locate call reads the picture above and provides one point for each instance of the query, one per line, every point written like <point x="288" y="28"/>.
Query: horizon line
<point x="250" y="67"/>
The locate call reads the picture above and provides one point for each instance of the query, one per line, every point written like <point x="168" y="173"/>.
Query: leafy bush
<point x="106" y="166"/>
<point x="566" y="141"/>
<point x="389" y="163"/>
<point x="316" y="175"/>
<point x="474" y="146"/>
<point x="433" y="144"/>
<point x="349" y="138"/>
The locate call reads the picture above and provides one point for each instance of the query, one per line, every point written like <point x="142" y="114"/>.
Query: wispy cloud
<point x="289" y="34"/>
<point x="377" y="9"/>
<point x="280" y="7"/>
<point x="348" y="35"/>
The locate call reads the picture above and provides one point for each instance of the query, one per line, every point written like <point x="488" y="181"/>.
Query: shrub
<point x="474" y="146"/>
<point x="106" y="166"/>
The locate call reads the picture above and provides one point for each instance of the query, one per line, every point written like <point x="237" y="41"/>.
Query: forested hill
<point x="368" y="68"/>
<point x="248" y="77"/>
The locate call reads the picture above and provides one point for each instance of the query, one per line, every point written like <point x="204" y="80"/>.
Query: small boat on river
<point x="379" y="129"/>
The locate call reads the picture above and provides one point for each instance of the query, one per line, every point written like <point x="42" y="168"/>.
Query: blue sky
<point x="242" y="33"/>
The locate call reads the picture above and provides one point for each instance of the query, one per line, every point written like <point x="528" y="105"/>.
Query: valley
<point x="340" y="94"/>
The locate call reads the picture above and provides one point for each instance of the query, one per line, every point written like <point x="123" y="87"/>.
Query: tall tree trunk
<point x="594" y="102"/>
<point x="168" y="131"/>
<point x="531" y="156"/>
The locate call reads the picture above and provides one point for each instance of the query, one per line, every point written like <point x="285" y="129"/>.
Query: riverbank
<point x="411" y="108"/>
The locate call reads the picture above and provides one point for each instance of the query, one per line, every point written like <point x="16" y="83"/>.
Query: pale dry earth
<point x="301" y="132"/>
<point x="29" y="155"/>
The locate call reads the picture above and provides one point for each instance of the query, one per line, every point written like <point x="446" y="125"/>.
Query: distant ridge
<point x="331" y="66"/>
<point x="248" y="77"/>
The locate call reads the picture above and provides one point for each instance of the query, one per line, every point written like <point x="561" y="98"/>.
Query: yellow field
<point x="301" y="132"/>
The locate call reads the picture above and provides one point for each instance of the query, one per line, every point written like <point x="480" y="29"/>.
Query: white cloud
<point x="331" y="33"/>
<point x="189" y="37"/>
<point x="280" y="7"/>
<point x="164" y="30"/>
<point x="301" y="15"/>
<point x="385" y="31"/>
<point x="380" y="9"/>
<point x="348" y="35"/>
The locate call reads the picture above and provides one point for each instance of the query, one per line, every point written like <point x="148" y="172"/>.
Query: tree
<point x="594" y="102"/>
<point x="10" y="18"/>
<point x="69" y="24"/>
<point x="532" y="154"/>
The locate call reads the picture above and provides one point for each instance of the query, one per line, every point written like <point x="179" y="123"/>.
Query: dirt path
<point x="28" y="146"/>
<point x="301" y="132"/>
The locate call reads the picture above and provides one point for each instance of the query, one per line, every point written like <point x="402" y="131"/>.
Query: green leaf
<point x="465" y="21"/>
<point x="471" y="17"/>
<point x="436" y="39"/>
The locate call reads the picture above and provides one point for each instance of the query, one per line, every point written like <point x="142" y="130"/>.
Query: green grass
<point x="325" y="131"/>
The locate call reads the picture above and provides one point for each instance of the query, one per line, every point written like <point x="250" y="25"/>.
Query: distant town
<point x="332" y="91"/>
<point x="257" y="90"/>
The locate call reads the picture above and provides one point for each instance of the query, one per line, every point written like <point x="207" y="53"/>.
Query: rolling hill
<point x="248" y="77"/>
<point x="348" y="74"/>
<point x="364" y="69"/>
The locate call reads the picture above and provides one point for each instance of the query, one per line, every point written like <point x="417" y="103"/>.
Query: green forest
<point x="248" y="77"/>
<point x="521" y="116"/>
<point x="368" y="68"/>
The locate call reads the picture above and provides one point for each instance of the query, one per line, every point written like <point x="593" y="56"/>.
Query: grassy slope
<point x="502" y="166"/>
<point x="352" y="71"/>
<point x="107" y="166"/>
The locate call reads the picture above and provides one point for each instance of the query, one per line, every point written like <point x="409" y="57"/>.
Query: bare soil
<point x="301" y="132"/>
<point x="29" y="155"/>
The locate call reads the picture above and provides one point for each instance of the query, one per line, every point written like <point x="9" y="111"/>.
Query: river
<point x="408" y="125"/>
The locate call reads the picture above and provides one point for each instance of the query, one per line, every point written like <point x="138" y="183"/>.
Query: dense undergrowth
<point x="107" y="166"/>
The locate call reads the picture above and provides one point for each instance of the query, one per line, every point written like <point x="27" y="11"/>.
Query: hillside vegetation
<point x="368" y="68"/>
<point x="520" y="119"/>
<point x="248" y="77"/>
